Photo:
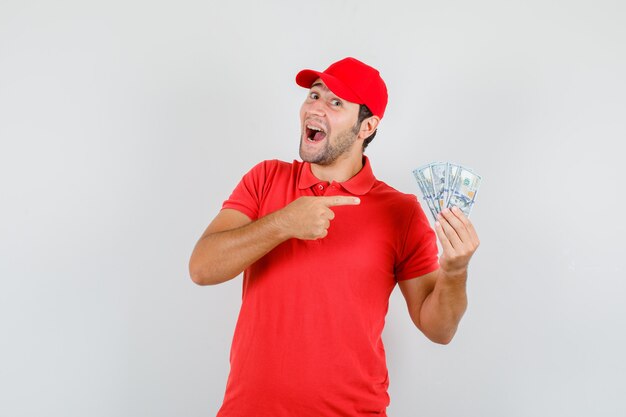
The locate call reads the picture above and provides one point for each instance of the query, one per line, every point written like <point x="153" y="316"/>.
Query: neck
<point x="340" y="170"/>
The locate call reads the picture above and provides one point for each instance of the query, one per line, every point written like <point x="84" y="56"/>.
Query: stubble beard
<point x="331" y="150"/>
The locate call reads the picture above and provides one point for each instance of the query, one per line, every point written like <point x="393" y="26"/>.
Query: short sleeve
<point x="419" y="253"/>
<point x="247" y="195"/>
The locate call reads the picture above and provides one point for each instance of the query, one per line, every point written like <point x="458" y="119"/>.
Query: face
<point x="328" y="126"/>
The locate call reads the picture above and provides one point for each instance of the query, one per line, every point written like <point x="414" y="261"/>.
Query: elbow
<point x="203" y="279"/>
<point x="199" y="274"/>
<point x="442" y="339"/>
<point x="443" y="331"/>
<point x="440" y="336"/>
<point x="202" y="267"/>
<point x="196" y="276"/>
<point x="203" y="274"/>
<point x="198" y="279"/>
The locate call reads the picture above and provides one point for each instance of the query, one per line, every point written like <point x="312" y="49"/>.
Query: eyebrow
<point x="320" y="85"/>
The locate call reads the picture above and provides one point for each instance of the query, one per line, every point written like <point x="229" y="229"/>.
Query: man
<point x="322" y="244"/>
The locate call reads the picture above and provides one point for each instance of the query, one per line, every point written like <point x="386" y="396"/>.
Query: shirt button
<point x="321" y="187"/>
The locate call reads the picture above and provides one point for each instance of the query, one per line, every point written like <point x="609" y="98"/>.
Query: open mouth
<point x="315" y="134"/>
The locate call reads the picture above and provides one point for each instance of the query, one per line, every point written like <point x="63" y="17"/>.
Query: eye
<point x="336" y="103"/>
<point x="313" y="95"/>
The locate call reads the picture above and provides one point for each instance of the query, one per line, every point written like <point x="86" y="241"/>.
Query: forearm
<point x="221" y="256"/>
<point x="231" y="243"/>
<point x="444" y="307"/>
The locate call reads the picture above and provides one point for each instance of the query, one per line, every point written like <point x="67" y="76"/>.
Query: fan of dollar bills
<point x="444" y="184"/>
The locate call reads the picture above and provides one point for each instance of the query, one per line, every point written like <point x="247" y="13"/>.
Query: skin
<point x="436" y="301"/>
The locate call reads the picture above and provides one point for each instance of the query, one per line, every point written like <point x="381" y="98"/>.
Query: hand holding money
<point x="449" y="191"/>
<point x="458" y="238"/>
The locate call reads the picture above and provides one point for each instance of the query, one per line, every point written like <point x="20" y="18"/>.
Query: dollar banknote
<point x="423" y="175"/>
<point x="444" y="185"/>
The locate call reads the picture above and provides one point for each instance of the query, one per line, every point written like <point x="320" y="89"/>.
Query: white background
<point x="125" y="124"/>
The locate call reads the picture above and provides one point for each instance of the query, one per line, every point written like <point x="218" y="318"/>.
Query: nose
<point x="315" y="108"/>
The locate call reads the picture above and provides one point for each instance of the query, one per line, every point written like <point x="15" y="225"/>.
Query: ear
<point x="368" y="126"/>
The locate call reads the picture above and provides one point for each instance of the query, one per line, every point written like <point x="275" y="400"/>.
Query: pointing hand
<point x="308" y="218"/>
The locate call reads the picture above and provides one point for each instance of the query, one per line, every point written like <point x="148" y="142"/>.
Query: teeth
<point x="315" y="128"/>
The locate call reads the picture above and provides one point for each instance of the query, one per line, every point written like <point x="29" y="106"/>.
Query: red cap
<point x="352" y="80"/>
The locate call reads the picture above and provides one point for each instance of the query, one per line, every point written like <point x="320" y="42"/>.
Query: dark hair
<point x="364" y="113"/>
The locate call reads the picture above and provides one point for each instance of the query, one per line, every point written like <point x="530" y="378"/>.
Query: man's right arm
<point x="232" y="241"/>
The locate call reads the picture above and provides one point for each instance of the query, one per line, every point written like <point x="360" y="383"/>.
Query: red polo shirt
<point x="308" y="338"/>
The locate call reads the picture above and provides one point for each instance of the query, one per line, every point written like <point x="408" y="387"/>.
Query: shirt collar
<point x="359" y="184"/>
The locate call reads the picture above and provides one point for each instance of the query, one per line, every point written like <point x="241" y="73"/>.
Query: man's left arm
<point x="437" y="301"/>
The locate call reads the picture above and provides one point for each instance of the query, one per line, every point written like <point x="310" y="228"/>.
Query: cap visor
<point x="306" y="78"/>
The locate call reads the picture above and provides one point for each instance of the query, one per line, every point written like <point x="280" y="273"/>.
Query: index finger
<point x="340" y="200"/>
